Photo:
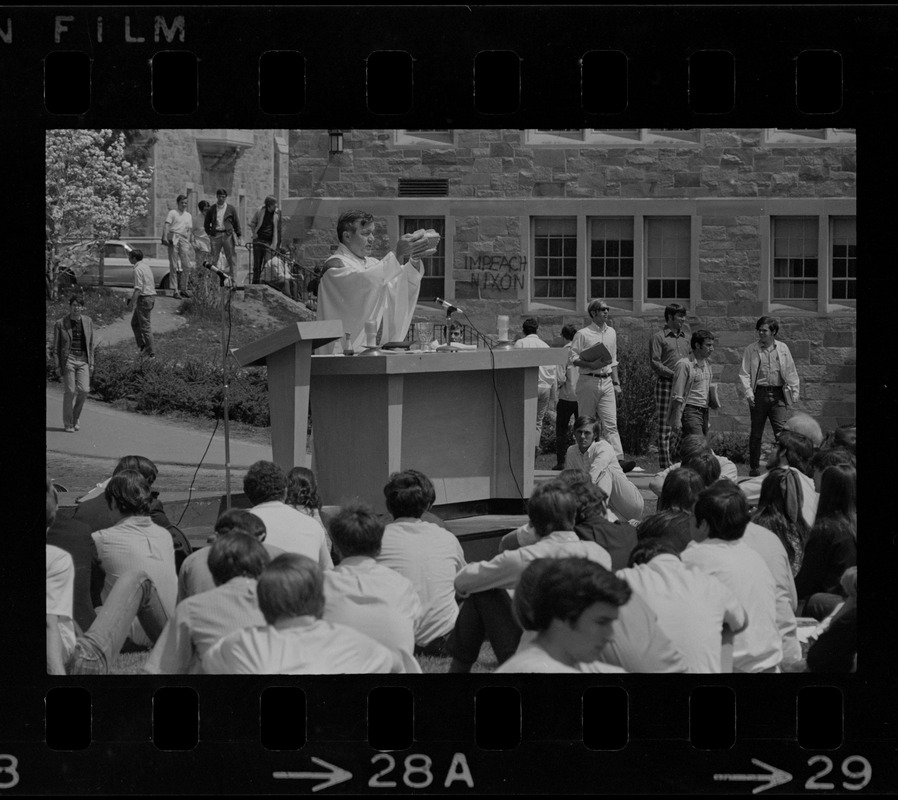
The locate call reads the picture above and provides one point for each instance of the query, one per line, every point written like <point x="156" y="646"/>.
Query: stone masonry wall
<point x="495" y="164"/>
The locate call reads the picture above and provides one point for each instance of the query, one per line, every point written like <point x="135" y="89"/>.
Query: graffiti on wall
<point x="502" y="272"/>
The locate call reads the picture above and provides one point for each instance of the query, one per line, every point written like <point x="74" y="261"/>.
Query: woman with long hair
<point x="680" y="490"/>
<point x="302" y="494"/>
<point x="832" y="545"/>
<point x="779" y="510"/>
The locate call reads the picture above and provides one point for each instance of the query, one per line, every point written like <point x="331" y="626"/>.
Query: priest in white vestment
<point x="357" y="288"/>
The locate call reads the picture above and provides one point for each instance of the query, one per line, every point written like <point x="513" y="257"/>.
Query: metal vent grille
<point x="423" y="187"/>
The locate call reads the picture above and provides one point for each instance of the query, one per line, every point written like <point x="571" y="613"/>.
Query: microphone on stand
<point x="447" y="305"/>
<point x="222" y="276"/>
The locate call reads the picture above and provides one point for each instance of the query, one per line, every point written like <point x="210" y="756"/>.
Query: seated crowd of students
<point x="711" y="582"/>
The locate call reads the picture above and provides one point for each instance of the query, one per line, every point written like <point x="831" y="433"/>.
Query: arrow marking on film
<point x="332" y="777"/>
<point x="774" y="777"/>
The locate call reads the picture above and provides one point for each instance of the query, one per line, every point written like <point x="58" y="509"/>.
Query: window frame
<point x="629" y="137"/>
<point x="401" y="218"/>
<point x="403" y="137"/>
<point x="780" y="137"/>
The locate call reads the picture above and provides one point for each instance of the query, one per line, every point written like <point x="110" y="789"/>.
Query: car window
<point x="115" y="251"/>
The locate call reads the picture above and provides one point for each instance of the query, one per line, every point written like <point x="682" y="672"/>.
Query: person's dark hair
<point x="202" y="205"/>
<point x="699" y="337"/>
<point x="530" y="325"/>
<point x="348" y="221"/>
<point x="674" y="527"/>
<point x="236" y="554"/>
<point x="680" y="489"/>
<point x="290" y="586"/>
<point x="302" y="489"/>
<point x="830" y="457"/>
<point x="76" y="298"/>
<point x="647" y="549"/>
<point x="724" y="507"/>
<point x="140" y="464"/>
<point x="180" y="197"/>
<point x="221" y="191"/>
<point x="563" y="588"/>
<point x="568" y="332"/>
<point x="129" y="492"/>
<point x="242" y="520"/>
<point x="357" y="531"/>
<point x="589" y="422"/>
<point x="51" y="503"/>
<point x="691" y="445"/>
<point x="264" y="481"/>
<point x="552" y="507"/>
<point x="590" y="498"/>
<point x="135" y="255"/>
<point x="845" y="436"/>
<point x="780" y="510"/>
<point x="409" y="494"/>
<point x="770" y="322"/>
<point x="838" y="493"/>
<point x="672" y="309"/>
<point x="705" y="465"/>
<point x="270" y="199"/>
<point x="797" y="450"/>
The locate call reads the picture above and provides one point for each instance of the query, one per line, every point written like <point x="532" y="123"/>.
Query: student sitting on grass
<point x="570" y="604"/>
<point x="235" y="561"/>
<point x="689" y="446"/>
<point x="296" y="641"/>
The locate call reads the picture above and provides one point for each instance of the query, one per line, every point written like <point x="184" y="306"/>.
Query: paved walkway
<point x="109" y="433"/>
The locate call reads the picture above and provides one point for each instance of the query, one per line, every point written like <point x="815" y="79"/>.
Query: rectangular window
<point x="613" y="136"/>
<point x="844" y="258"/>
<point x="795" y="264"/>
<point x="668" y="258"/>
<point x="809" y="136"/>
<point x="555" y="258"/>
<point x="611" y="258"/>
<point x="424" y="137"/>
<point x="434" y="281"/>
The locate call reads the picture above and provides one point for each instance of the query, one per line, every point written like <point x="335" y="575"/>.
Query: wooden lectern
<point x="288" y="353"/>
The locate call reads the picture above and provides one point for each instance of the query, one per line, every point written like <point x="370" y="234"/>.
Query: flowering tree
<point x="93" y="191"/>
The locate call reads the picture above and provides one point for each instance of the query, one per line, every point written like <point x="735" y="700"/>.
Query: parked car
<point x="115" y="268"/>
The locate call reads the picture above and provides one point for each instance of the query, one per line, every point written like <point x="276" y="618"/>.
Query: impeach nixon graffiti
<point x="501" y="272"/>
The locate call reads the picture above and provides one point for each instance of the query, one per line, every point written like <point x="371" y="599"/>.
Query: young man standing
<point x="666" y="348"/>
<point x="265" y="227"/>
<point x="546" y="380"/>
<point x="566" y="408"/>
<point x="689" y="402"/>
<point x="770" y="385"/>
<point x="176" y="233"/>
<point x="143" y="299"/>
<point x="223" y="226"/>
<point x="357" y="288"/>
<point x="73" y="346"/>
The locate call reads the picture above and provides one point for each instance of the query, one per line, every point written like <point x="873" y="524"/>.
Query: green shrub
<point x="637" y="422"/>
<point x="731" y="445"/>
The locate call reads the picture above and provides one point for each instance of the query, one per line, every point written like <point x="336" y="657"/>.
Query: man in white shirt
<point x="486" y="610"/>
<point x="566" y="408"/>
<point x="357" y="288"/>
<point x="692" y="607"/>
<point x="689" y="399"/>
<point x="426" y="554"/>
<point x="598" y="383"/>
<point x="296" y="640"/>
<point x="265" y="486"/>
<point x="176" y="233"/>
<point x="235" y="561"/>
<point x="546" y="381"/>
<point x="368" y="596"/>
<point x="721" y="515"/>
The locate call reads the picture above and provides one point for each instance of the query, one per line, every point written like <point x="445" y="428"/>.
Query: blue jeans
<point x="140" y="324"/>
<point x="224" y="241"/>
<point x="76" y="380"/>
<point x="133" y="595"/>
<point x="769" y="404"/>
<point x="178" y="263"/>
<point x="694" y="420"/>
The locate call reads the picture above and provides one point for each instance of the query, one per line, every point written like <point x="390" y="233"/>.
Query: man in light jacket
<point x="73" y="348"/>
<point x="770" y="385"/>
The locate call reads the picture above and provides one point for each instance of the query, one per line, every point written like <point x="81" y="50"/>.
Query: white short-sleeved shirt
<point x="194" y="575"/>
<point x="179" y="223"/>
<point x="532" y="658"/>
<point x="307" y="647"/>
<point x="547" y="375"/>
<point x="759" y="646"/>
<point x="60" y="592"/>
<point x="692" y="608"/>
<point x="377" y="601"/>
<point x="294" y="532"/>
<point x="429" y="557"/>
<point x="143" y="280"/>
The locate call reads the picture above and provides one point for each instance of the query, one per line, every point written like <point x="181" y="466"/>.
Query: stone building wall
<point x="730" y="185"/>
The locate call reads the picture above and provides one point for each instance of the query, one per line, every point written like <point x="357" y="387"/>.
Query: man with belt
<point x="691" y="387"/>
<point x="770" y="384"/>
<point x="223" y="225"/>
<point x="73" y="346"/>
<point x="176" y="233"/>
<point x="598" y="383"/>
<point x="666" y="348"/>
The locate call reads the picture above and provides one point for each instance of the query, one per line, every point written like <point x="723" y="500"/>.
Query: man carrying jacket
<point x="73" y="347"/>
<point x="770" y="385"/>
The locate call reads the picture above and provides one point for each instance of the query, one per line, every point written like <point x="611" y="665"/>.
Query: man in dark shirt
<point x="223" y="225"/>
<point x="666" y="348"/>
<point x="265" y="227"/>
<point x="73" y="347"/>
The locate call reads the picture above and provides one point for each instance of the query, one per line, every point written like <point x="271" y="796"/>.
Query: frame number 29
<point x="856" y="769"/>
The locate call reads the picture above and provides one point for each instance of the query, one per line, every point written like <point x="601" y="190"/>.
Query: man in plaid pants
<point x="666" y="347"/>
